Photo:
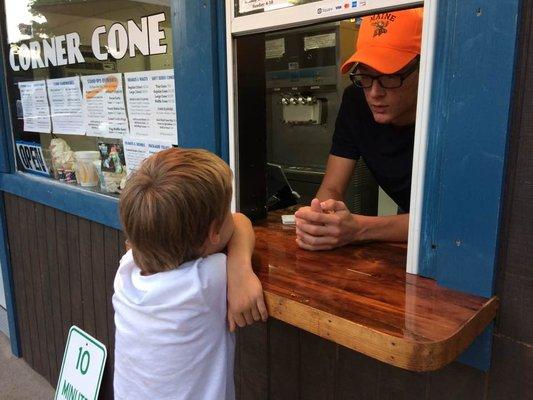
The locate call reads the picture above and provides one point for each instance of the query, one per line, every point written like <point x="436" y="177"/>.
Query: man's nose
<point x="376" y="90"/>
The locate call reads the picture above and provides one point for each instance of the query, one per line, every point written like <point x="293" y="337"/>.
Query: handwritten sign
<point x="32" y="158"/>
<point x="82" y="368"/>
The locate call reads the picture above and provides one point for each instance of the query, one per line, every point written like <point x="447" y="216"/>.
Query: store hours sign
<point x="82" y="368"/>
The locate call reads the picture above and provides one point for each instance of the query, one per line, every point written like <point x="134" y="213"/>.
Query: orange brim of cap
<point x="384" y="60"/>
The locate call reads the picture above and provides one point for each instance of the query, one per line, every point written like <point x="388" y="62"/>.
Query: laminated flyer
<point x="35" y="108"/>
<point x="105" y="107"/>
<point x="152" y="105"/>
<point x="137" y="149"/>
<point x="66" y="105"/>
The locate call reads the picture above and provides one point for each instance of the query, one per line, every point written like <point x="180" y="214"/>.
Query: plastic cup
<point x="86" y="172"/>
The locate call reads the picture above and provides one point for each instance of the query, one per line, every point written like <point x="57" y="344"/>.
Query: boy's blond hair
<point x="169" y="204"/>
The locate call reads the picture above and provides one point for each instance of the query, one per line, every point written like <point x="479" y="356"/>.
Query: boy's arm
<point x="245" y="294"/>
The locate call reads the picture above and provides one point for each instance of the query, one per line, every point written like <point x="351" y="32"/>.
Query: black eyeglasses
<point x="387" y="81"/>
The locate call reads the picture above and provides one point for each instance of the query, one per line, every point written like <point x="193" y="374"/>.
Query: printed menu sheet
<point x="137" y="149"/>
<point x="275" y="48"/>
<point x="35" y="106"/>
<point x="66" y="104"/>
<point x="152" y="105"/>
<point x="104" y="104"/>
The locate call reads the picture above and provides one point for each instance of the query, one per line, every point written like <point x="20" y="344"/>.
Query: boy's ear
<point x="214" y="233"/>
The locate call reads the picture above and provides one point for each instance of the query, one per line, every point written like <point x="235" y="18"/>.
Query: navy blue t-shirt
<point x="386" y="149"/>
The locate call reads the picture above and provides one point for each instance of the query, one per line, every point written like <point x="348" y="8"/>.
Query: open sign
<point x="32" y="158"/>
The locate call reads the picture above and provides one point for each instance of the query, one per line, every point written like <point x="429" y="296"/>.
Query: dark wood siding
<point x="63" y="269"/>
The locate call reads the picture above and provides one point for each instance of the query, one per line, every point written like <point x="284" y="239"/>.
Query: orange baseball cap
<point x="388" y="41"/>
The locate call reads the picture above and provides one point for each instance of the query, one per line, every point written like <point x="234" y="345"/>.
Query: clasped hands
<point x="325" y="225"/>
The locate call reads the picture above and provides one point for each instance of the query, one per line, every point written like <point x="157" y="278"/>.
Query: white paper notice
<point x="66" y="104"/>
<point x="319" y="41"/>
<point x="152" y="105"/>
<point x="274" y="48"/>
<point x="138" y="149"/>
<point x="104" y="102"/>
<point x="254" y="5"/>
<point x="35" y="106"/>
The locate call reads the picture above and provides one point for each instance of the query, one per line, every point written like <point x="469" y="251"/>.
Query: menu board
<point x="105" y="107"/>
<point x="35" y="107"/>
<point x="66" y="105"/>
<point x="152" y="105"/>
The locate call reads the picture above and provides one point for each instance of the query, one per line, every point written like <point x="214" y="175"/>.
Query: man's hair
<point x="169" y="204"/>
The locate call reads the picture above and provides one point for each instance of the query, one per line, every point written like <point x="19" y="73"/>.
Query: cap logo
<point x="381" y="28"/>
<point x="382" y="21"/>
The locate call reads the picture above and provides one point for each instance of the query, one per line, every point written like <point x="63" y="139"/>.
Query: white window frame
<point x="306" y="14"/>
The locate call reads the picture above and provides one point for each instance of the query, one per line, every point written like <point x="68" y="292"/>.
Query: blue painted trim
<point x="74" y="200"/>
<point x="7" y="160"/>
<point x="469" y="123"/>
<point x="479" y="353"/>
<point x="7" y="165"/>
<point x="9" y="286"/>
<point x="196" y="73"/>
<point x="468" y="129"/>
<point x="223" y="81"/>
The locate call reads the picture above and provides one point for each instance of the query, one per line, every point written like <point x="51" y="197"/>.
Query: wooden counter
<point x="362" y="298"/>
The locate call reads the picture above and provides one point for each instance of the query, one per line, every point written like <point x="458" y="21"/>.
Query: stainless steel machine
<point x="304" y="89"/>
<point x="289" y="89"/>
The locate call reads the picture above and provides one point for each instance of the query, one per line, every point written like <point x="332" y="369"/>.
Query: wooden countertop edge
<point x="403" y="353"/>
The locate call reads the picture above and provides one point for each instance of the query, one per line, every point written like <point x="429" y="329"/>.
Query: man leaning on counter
<point x="376" y="121"/>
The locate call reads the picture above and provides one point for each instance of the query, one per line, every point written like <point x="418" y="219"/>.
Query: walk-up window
<point x="91" y="87"/>
<point x="289" y="89"/>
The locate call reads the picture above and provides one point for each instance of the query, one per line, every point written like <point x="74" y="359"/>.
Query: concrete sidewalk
<point x="17" y="380"/>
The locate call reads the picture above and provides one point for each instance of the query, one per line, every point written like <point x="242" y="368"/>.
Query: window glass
<point x="91" y="87"/>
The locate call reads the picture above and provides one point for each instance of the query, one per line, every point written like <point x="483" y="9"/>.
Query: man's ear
<point x="214" y="233"/>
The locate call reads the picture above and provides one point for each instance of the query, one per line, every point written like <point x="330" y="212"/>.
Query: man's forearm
<point x="394" y="228"/>
<point x="325" y="193"/>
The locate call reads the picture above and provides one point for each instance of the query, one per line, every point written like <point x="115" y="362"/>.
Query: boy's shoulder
<point x="215" y="258"/>
<point x="127" y="258"/>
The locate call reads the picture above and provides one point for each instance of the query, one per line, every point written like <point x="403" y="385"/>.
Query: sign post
<point x="82" y="367"/>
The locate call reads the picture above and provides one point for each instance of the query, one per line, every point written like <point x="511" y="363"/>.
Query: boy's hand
<point x="246" y="304"/>
<point x="245" y="294"/>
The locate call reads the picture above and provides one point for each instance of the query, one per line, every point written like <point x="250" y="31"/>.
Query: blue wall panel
<point x="473" y="78"/>
<point x="196" y="62"/>
<point x="467" y="141"/>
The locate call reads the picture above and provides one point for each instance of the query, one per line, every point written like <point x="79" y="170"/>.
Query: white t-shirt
<point x="171" y="339"/>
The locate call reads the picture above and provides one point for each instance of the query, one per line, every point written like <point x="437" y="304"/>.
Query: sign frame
<point x="99" y="345"/>
<point x="311" y="13"/>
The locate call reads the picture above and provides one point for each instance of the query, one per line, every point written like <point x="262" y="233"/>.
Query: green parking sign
<point x="82" y="367"/>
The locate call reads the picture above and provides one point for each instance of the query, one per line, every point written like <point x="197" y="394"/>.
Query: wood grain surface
<point x="361" y="297"/>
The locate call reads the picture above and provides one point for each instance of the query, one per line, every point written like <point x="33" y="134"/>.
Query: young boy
<point x="171" y="338"/>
